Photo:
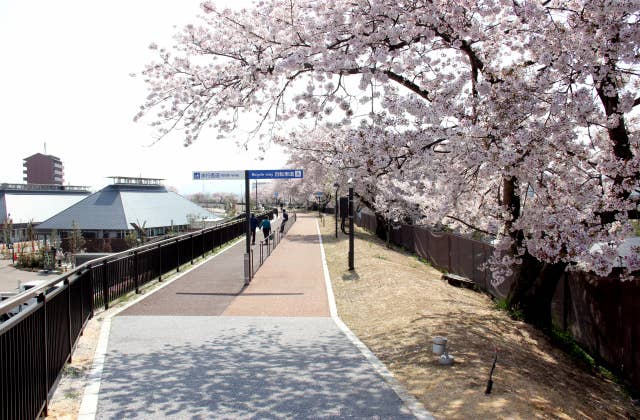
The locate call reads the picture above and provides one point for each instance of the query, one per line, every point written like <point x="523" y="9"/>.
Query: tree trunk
<point x="381" y="227"/>
<point x="388" y="235"/>
<point x="533" y="289"/>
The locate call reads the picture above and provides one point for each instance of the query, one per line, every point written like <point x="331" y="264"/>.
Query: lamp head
<point x="350" y="181"/>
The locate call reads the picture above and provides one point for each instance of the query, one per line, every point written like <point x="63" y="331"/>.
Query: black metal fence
<point x="447" y="251"/>
<point x="40" y="327"/>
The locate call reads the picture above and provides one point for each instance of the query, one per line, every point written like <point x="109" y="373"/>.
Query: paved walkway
<point x="205" y="347"/>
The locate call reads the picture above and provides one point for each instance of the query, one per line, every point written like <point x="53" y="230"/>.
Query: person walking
<point x="254" y="225"/>
<point x="266" y="229"/>
<point x="285" y="217"/>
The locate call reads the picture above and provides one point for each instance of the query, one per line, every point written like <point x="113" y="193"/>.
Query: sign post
<point x="247" y="213"/>
<point x="247" y="175"/>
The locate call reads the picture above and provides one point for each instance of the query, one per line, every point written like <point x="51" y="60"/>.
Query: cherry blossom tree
<point x="512" y="118"/>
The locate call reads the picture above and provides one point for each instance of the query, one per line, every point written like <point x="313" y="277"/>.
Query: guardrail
<point x="266" y="246"/>
<point x="43" y="324"/>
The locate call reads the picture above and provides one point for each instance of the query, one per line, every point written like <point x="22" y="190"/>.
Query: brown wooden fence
<point x="601" y="313"/>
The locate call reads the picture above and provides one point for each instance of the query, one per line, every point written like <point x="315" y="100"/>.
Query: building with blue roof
<point x="115" y="210"/>
<point x="25" y="204"/>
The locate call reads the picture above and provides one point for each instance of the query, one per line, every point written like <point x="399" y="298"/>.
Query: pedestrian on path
<point x="266" y="229"/>
<point x="285" y="217"/>
<point x="254" y="226"/>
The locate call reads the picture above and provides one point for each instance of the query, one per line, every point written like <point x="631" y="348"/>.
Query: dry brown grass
<point x="395" y="304"/>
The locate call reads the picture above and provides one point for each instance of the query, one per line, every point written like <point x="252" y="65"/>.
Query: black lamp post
<point x="336" y="186"/>
<point x="351" y="254"/>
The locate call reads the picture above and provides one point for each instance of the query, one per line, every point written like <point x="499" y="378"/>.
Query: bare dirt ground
<point x="396" y="304"/>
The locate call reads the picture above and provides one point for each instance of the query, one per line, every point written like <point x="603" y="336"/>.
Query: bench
<point x="458" y="281"/>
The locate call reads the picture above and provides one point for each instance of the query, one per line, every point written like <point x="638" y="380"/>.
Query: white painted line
<point x="415" y="406"/>
<point x="89" y="405"/>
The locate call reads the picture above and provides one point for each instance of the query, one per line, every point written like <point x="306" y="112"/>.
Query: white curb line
<point x="89" y="405"/>
<point x="415" y="406"/>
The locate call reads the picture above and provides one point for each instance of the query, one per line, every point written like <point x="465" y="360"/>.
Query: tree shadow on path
<point x="240" y="368"/>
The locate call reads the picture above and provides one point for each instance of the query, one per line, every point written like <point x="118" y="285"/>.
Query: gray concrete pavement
<point x="239" y="367"/>
<point x="207" y="290"/>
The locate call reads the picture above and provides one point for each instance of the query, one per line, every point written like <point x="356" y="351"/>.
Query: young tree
<point x="141" y="230"/>
<point x="511" y="118"/>
<point x="54" y="238"/>
<point x="76" y="240"/>
<point x="7" y="227"/>
<point x="131" y="238"/>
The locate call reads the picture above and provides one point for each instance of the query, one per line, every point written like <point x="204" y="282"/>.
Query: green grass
<point x="72" y="371"/>
<point x="568" y="344"/>
<point x="72" y="395"/>
<point x="423" y="260"/>
<point x="565" y="341"/>
<point x="503" y="305"/>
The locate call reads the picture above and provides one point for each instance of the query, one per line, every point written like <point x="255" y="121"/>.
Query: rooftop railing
<point x="42" y="187"/>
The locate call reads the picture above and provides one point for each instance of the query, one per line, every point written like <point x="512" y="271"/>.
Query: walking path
<point x="205" y="347"/>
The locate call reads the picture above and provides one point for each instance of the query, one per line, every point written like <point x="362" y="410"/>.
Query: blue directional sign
<point x="276" y="174"/>
<point x="218" y="175"/>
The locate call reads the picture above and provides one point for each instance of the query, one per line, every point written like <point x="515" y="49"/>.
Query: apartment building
<point x="43" y="169"/>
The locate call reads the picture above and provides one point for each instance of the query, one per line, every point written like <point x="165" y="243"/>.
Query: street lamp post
<point x="351" y="253"/>
<point x="336" y="186"/>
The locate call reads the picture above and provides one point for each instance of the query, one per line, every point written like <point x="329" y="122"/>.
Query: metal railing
<point x="41" y="326"/>
<point x="267" y="245"/>
<point x="43" y="187"/>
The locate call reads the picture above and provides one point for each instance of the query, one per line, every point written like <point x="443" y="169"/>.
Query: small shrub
<point x="72" y="395"/>
<point x="72" y="371"/>
<point x="514" y="313"/>
<point x="36" y="261"/>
